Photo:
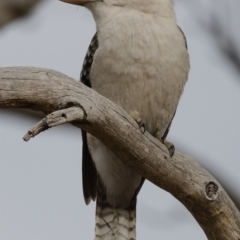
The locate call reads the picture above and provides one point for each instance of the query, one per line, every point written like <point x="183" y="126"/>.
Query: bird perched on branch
<point x="138" y="59"/>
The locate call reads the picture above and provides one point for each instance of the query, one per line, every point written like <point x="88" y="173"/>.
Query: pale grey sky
<point x="40" y="181"/>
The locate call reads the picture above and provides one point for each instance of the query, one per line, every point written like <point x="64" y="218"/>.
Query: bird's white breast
<point x="141" y="64"/>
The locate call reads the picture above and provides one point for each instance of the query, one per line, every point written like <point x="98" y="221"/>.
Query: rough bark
<point x="67" y="100"/>
<point x="12" y="9"/>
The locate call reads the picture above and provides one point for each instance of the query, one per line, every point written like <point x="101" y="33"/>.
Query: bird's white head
<point x="107" y="8"/>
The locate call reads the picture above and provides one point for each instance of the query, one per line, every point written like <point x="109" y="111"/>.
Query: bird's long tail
<point x="115" y="223"/>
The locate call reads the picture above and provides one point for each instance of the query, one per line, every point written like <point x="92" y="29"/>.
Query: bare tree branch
<point x="13" y="9"/>
<point x="49" y="91"/>
<point x="55" y="119"/>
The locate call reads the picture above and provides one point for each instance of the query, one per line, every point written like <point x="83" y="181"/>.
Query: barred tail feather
<point x="115" y="223"/>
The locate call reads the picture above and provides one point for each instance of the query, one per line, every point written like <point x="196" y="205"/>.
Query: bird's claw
<point x="170" y="147"/>
<point x="135" y="115"/>
<point x="142" y="127"/>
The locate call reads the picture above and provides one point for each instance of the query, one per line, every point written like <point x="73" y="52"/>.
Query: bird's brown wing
<point x="186" y="45"/>
<point x="89" y="173"/>
<point x="168" y="128"/>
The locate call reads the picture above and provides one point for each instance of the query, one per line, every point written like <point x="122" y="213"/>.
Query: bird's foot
<point x="169" y="145"/>
<point x="136" y="116"/>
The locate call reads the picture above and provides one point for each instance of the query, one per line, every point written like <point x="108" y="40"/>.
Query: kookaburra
<point x="138" y="59"/>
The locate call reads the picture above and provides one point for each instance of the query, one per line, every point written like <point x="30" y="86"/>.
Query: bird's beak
<point x="78" y="2"/>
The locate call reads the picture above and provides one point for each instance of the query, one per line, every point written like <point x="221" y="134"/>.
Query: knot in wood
<point x="211" y="190"/>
